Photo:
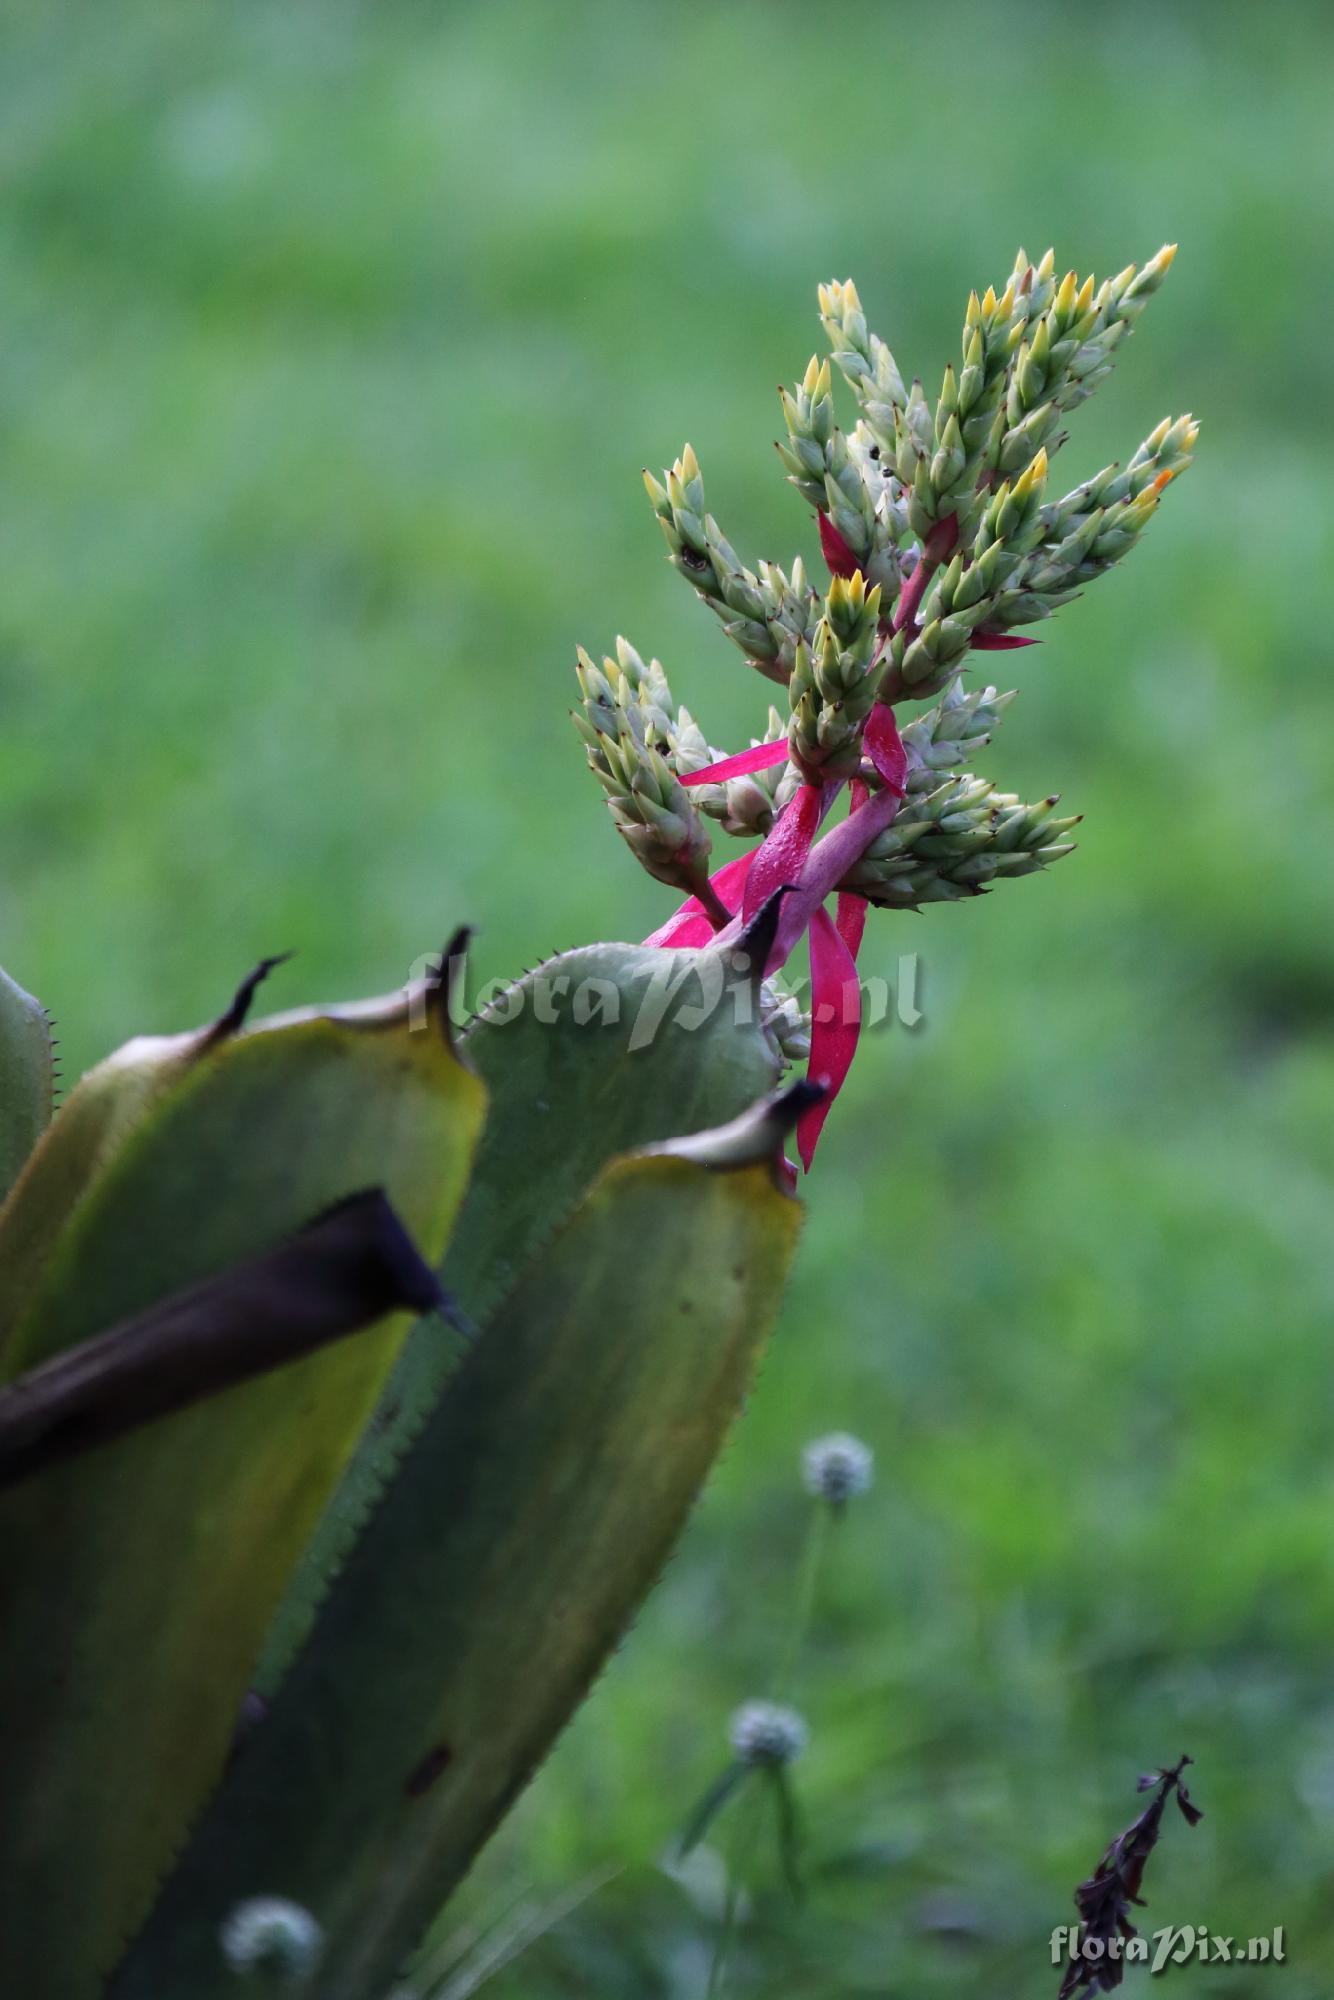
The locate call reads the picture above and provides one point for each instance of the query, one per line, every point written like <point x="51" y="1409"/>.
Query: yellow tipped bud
<point x="837" y="299"/>
<point x="1032" y="477"/>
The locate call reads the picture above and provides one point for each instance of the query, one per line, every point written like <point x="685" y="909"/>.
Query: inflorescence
<point x="942" y="540"/>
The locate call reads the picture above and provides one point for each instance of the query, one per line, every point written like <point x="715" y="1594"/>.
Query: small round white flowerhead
<point x="269" y="1934"/>
<point x="837" y="1468"/>
<point x="764" y="1732"/>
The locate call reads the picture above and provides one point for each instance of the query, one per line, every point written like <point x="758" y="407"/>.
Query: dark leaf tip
<point x="757" y="939"/>
<point x="235" y="1016"/>
<point x="441" y="985"/>
<point x="789" y="1105"/>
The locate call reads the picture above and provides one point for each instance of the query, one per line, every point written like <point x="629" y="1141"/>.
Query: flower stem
<point x="741" y="1843"/>
<point x="828" y="862"/>
<point x="934" y="549"/>
<point x="803" y="1609"/>
<point x="715" y="909"/>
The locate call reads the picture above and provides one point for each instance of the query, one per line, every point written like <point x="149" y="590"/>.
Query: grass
<point x="334" y="339"/>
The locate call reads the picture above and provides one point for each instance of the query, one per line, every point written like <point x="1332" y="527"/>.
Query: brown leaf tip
<point x="234" y="1018"/>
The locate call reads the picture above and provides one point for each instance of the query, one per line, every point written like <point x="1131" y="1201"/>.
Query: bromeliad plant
<point x="941" y="541"/>
<point x="339" y="1439"/>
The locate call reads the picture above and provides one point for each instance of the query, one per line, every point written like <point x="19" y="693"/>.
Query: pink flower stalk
<point x="783" y="853"/>
<point x="790" y="858"/>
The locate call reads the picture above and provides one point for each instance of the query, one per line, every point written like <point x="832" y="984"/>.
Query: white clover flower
<point x="838" y="1467"/>
<point x="764" y="1732"/>
<point x="270" y="1934"/>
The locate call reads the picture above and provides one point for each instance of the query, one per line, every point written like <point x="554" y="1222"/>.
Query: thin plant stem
<point x="713" y="906"/>
<point x="740" y="1843"/>
<point x="803" y="1609"/>
<point x="935" y="547"/>
<point x="914" y="590"/>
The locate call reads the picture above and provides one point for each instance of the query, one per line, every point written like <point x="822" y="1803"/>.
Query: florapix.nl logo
<point x="686" y="989"/>
<point x="1173" y="1944"/>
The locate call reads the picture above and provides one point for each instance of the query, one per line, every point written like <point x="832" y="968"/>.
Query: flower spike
<point x="936" y="525"/>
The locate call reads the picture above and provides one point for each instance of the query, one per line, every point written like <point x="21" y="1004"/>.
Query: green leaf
<point x="95" y="1123"/>
<point x="591" y="1054"/>
<point x="683" y="1054"/>
<point x="524" y="1527"/>
<point x="26" y="1078"/>
<point x="719" y="1794"/>
<point x="139" y="1579"/>
<point x="789" y="1830"/>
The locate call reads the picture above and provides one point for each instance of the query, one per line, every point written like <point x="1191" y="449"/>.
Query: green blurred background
<point x="333" y="339"/>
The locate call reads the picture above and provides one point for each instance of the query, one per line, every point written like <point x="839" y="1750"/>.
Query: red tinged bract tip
<point x="1000" y="642"/>
<point x="884" y="746"/>
<point x="836" y="552"/>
